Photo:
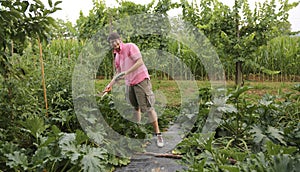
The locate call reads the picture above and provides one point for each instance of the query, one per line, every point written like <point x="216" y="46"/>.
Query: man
<point x="129" y="65"/>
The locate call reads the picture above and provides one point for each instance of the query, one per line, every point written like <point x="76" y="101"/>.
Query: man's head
<point x="114" y="40"/>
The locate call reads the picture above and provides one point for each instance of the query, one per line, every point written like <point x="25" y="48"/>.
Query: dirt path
<point x="151" y="163"/>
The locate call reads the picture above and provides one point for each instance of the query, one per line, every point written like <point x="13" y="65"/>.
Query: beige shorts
<point x="141" y="96"/>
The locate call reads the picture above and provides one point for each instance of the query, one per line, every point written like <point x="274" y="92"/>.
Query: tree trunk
<point x="238" y="74"/>
<point x="238" y="64"/>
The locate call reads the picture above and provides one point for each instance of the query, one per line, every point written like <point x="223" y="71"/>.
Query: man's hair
<point x="113" y="35"/>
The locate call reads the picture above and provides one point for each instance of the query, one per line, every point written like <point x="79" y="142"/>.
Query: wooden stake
<point x="113" y="55"/>
<point x="43" y="76"/>
<point x="163" y="155"/>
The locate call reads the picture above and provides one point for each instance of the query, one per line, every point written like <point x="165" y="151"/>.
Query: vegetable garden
<point x="258" y="131"/>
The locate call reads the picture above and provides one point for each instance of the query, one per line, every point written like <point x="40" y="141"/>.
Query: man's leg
<point x="137" y="116"/>
<point x="153" y="119"/>
<point x="145" y="99"/>
<point x="131" y="98"/>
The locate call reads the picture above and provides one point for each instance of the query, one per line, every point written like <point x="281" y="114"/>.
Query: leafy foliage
<point x="261" y="135"/>
<point x="251" y="137"/>
<point x="30" y="140"/>
<point x="20" y="20"/>
<point x="238" y="32"/>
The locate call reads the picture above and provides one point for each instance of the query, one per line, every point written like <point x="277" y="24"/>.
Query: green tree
<point x="20" y="21"/>
<point x="64" y="30"/>
<point x="238" y="32"/>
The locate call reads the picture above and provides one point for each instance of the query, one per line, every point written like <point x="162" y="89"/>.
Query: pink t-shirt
<point x="127" y="56"/>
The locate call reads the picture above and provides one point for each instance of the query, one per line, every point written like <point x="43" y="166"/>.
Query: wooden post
<point x="112" y="52"/>
<point x="43" y="76"/>
<point x="162" y="155"/>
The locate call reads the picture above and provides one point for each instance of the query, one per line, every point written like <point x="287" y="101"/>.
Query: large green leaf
<point x="265" y="102"/>
<point x="284" y="163"/>
<point x="277" y="134"/>
<point x="41" y="156"/>
<point x="17" y="159"/>
<point x="240" y="90"/>
<point x="94" y="159"/>
<point x="274" y="149"/>
<point x="8" y="147"/>
<point x="35" y="125"/>
<point x="94" y="132"/>
<point x="258" y="135"/>
<point x="227" y="108"/>
<point x="81" y="137"/>
<point x="69" y="148"/>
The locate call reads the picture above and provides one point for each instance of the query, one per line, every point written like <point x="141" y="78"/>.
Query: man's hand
<point x="119" y="76"/>
<point x="107" y="89"/>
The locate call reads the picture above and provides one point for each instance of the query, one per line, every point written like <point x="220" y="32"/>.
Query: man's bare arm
<point x="137" y="64"/>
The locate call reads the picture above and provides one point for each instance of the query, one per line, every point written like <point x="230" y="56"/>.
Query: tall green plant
<point x="281" y="54"/>
<point x="20" y="21"/>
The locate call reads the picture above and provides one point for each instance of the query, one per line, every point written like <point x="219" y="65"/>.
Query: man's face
<point x="115" y="44"/>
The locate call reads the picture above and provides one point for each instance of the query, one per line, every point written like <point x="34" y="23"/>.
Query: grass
<point x="169" y="91"/>
<point x="271" y="88"/>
